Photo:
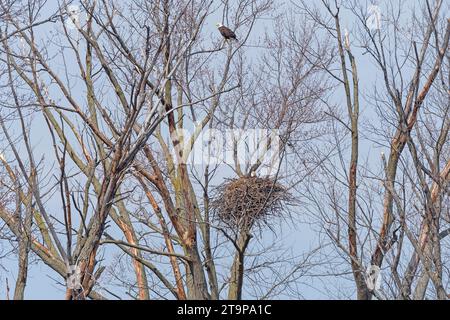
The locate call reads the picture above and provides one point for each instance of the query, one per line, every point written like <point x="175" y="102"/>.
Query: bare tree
<point x="410" y="74"/>
<point x="106" y="105"/>
<point x="135" y="74"/>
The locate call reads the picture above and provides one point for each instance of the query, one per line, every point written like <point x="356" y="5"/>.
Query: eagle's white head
<point x="218" y="25"/>
<point x="347" y="39"/>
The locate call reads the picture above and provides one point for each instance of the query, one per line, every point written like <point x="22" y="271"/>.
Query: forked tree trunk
<point x="237" y="269"/>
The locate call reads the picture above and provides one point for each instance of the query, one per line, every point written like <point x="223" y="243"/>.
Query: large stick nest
<point x="248" y="201"/>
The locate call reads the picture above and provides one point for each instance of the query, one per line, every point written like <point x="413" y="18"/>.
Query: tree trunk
<point x="237" y="269"/>
<point x="195" y="277"/>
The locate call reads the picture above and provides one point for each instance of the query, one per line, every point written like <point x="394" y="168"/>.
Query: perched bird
<point x="227" y="33"/>
<point x="347" y="40"/>
<point x="73" y="21"/>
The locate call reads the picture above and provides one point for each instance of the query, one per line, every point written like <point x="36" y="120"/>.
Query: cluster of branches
<point x="109" y="199"/>
<point x="112" y="90"/>
<point x="392" y="217"/>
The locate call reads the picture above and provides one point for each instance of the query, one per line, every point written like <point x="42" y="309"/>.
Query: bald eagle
<point x="227" y="33"/>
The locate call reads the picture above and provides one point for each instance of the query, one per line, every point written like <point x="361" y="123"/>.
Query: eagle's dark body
<point x="227" y="33"/>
